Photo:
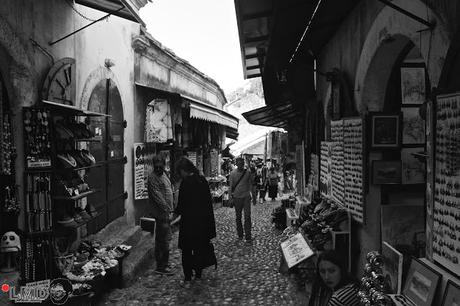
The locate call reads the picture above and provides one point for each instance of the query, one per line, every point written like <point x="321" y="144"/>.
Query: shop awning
<point x="277" y="115"/>
<point x="231" y="133"/>
<point x="130" y="11"/>
<point x="204" y="111"/>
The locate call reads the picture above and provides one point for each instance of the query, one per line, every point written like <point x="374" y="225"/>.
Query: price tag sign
<point x="295" y="250"/>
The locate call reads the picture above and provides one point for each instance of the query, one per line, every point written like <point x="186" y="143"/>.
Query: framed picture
<point x="413" y="169"/>
<point x="385" y="130"/>
<point x="421" y="283"/>
<point x="392" y="267"/>
<point x="386" y="172"/>
<point x="451" y="294"/>
<point x="413" y="85"/>
<point x="413" y="131"/>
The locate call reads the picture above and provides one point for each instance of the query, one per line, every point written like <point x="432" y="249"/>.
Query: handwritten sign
<point x="295" y="250"/>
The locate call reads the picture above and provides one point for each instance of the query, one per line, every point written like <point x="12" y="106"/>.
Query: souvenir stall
<point x="322" y="223"/>
<point x="57" y="209"/>
<point x="10" y="245"/>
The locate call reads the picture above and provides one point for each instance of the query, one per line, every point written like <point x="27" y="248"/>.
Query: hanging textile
<point x="158" y="124"/>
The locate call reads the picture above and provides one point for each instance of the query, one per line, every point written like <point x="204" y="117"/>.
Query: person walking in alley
<point x="197" y="225"/>
<point x="273" y="179"/>
<point x="161" y="201"/>
<point x="240" y="193"/>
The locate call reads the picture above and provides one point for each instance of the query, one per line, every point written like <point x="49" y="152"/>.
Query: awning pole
<point x="408" y="14"/>
<point x="90" y="24"/>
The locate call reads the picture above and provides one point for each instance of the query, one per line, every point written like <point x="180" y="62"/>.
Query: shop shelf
<point x="31" y="234"/>
<point x="77" y="197"/>
<point x="94" y="139"/>
<point x="60" y="226"/>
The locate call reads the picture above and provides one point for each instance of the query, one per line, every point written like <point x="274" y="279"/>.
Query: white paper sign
<point x="295" y="250"/>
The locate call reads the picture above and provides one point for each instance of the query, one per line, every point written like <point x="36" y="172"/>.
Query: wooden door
<point x="109" y="178"/>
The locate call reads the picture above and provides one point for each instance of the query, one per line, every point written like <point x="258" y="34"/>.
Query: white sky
<point x="203" y="32"/>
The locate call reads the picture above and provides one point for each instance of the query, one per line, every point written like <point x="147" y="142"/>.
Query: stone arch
<point x="99" y="74"/>
<point x="389" y="34"/>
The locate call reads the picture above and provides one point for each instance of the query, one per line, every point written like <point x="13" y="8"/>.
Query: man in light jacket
<point x="161" y="201"/>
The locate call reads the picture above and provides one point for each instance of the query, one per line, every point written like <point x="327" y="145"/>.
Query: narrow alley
<point x="246" y="274"/>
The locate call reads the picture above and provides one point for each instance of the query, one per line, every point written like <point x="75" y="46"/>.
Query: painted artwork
<point x="392" y="267"/>
<point x="401" y="223"/>
<point x="413" y="126"/>
<point x="413" y="85"/>
<point x="413" y="169"/>
<point x="421" y="283"/>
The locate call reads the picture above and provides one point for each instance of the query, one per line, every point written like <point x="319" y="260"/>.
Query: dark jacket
<point x="197" y="224"/>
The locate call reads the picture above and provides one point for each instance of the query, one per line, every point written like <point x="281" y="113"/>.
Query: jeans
<point x="254" y="194"/>
<point x="240" y="205"/>
<point x="162" y="239"/>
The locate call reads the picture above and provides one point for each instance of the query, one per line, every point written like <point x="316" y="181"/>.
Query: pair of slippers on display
<point x="77" y="158"/>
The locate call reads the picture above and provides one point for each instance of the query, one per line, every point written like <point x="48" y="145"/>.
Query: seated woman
<point x="333" y="285"/>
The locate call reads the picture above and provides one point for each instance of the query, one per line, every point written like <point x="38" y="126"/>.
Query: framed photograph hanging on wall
<point x="413" y="131"/>
<point x="413" y="169"/>
<point x="386" y="172"/>
<point x="413" y="85"/>
<point x="385" y="130"/>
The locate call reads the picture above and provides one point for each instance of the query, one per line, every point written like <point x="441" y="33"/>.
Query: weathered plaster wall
<point x="24" y="66"/>
<point x="158" y="68"/>
<point x="356" y="49"/>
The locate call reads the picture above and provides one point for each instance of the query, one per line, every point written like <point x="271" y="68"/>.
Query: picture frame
<point x="413" y="130"/>
<point x="392" y="267"/>
<point x="451" y="294"/>
<point x="421" y="283"/>
<point x="386" y="172"/>
<point x="413" y="169"/>
<point x="413" y="84"/>
<point x="385" y="131"/>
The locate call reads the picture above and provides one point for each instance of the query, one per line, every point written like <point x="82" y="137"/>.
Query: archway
<point x="109" y="151"/>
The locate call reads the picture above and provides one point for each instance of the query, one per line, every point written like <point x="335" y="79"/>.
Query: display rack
<point x="446" y="209"/>
<point x="54" y="182"/>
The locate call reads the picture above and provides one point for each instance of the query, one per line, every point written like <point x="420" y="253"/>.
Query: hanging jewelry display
<point x="37" y="143"/>
<point x="8" y="151"/>
<point x="338" y="181"/>
<point x="326" y="169"/>
<point x="446" y="210"/>
<point x="353" y="167"/>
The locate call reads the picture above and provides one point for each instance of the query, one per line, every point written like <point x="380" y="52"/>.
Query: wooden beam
<point x="254" y="75"/>
<point x="257" y="15"/>
<point x="255" y="55"/>
<point x="255" y="39"/>
<point x="253" y="67"/>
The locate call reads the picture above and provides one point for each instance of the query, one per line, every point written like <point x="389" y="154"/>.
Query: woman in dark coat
<point x="197" y="224"/>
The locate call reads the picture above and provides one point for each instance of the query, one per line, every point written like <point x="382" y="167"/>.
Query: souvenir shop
<point x="177" y="126"/>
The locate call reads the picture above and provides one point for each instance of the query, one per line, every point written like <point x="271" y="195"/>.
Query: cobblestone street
<point x="246" y="274"/>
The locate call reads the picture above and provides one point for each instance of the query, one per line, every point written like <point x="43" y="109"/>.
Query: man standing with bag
<point x="240" y="194"/>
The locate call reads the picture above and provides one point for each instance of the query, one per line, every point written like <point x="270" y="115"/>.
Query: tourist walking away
<point x="254" y="185"/>
<point x="333" y="285"/>
<point x="197" y="224"/>
<point x="273" y="180"/>
<point x="161" y="202"/>
<point x="240" y="194"/>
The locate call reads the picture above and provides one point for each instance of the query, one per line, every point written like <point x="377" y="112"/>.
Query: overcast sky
<point x="203" y="32"/>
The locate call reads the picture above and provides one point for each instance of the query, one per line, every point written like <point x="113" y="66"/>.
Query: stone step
<point x="139" y="257"/>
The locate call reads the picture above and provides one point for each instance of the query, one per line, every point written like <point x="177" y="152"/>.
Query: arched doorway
<point x="109" y="178"/>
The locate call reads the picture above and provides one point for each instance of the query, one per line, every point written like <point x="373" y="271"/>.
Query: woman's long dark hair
<point x="186" y="164"/>
<point x="345" y="278"/>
